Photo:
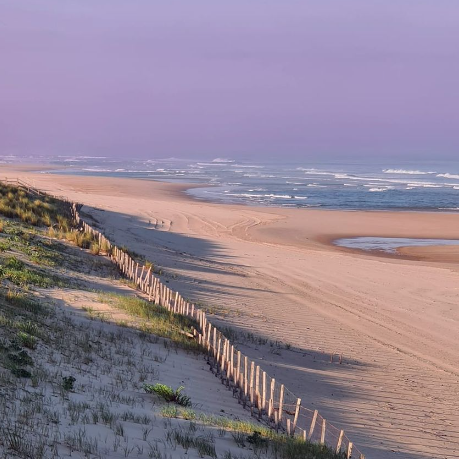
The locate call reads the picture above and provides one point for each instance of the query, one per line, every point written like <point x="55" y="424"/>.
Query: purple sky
<point x="296" y="79"/>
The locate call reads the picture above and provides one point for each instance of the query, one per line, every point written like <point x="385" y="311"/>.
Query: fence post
<point x="232" y="368"/>
<point x="238" y="368"/>
<point x="280" y="409"/>
<point x="219" y="342"/>
<point x="323" y="432"/>
<point x="350" y="449"/>
<point x="296" y="415"/>
<point x="313" y="422"/>
<point x="270" y="402"/>
<point x="251" y="386"/>
<point x="258" y="387"/>
<point x="264" y="390"/>
<point x="245" y="376"/>
<point x="339" y="442"/>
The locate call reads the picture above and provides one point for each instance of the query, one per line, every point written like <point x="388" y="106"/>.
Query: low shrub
<point x="68" y="382"/>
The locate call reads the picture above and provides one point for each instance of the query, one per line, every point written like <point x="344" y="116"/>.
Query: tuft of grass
<point x="168" y="393"/>
<point x="95" y="248"/>
<point x="169" y="411"/>
<point x="27" y="340"/>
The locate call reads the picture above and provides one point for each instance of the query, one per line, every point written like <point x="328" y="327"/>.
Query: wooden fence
<point x="267" y="399"/>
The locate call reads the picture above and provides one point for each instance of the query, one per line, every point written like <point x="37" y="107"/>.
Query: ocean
<point x="427" y="186"/>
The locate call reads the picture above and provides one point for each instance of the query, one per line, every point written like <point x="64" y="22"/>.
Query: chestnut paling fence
<point x="267" y="399"/>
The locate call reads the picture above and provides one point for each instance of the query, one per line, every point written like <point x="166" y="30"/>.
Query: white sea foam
<point x="248" y="166"/>
<point x="222" y="160"/>
<point x="282" y="196"/>
<point x="378" y="189"/>
<point x="404" y="171"/>
<point x="447" y="175"/>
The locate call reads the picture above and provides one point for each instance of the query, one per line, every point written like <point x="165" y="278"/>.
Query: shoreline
<point x="179" y="190"/>
<point x="191" y="185"/>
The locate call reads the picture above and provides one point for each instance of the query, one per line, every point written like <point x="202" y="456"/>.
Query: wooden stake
<point x="350" y="450"/>
<point x="296" y="414"/>
<point x="264" y="390"/>
<point x="245" y="376"/>
<point x="272" y="394"/>
<point x="313" y="422"/>
<point x="232" y="368"/>
<point x="251" y="385"/>
<point x="219" y="342"/>
<point x="323" y="432"/>
<point x="339" y="442"/>
<point x="280" y="409"/>
<point x="238" y="367"/>
<point x="258" y="387"/>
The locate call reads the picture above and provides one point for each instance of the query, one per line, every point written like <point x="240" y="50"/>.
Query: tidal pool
<point x="389" y="244"/>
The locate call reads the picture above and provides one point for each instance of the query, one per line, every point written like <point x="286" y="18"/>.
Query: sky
<point x="230" y="78"/>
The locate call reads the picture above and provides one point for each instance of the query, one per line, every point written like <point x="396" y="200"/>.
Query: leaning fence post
<point x="296" y="415"/>
<point x="313" y="422"/>
<point x="339" y="442"/>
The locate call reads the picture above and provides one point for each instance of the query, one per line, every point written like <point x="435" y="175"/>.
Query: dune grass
<point x="37" y="211"/>
<point x="17" y="272"/>
<point x="157" y="320"/>
<point x="263" y="441"/>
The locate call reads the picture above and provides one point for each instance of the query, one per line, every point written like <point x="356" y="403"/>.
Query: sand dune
<point x="273" y="272"/>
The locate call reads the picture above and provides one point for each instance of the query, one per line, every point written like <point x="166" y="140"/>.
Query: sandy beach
<point x="273" y="272"/>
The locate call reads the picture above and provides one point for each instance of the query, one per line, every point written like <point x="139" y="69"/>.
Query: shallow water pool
<point x="389" y="244"/>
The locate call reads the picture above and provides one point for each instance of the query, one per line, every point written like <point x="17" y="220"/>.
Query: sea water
<point x="430" y="186"/>
<point x="389" y="244"/>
